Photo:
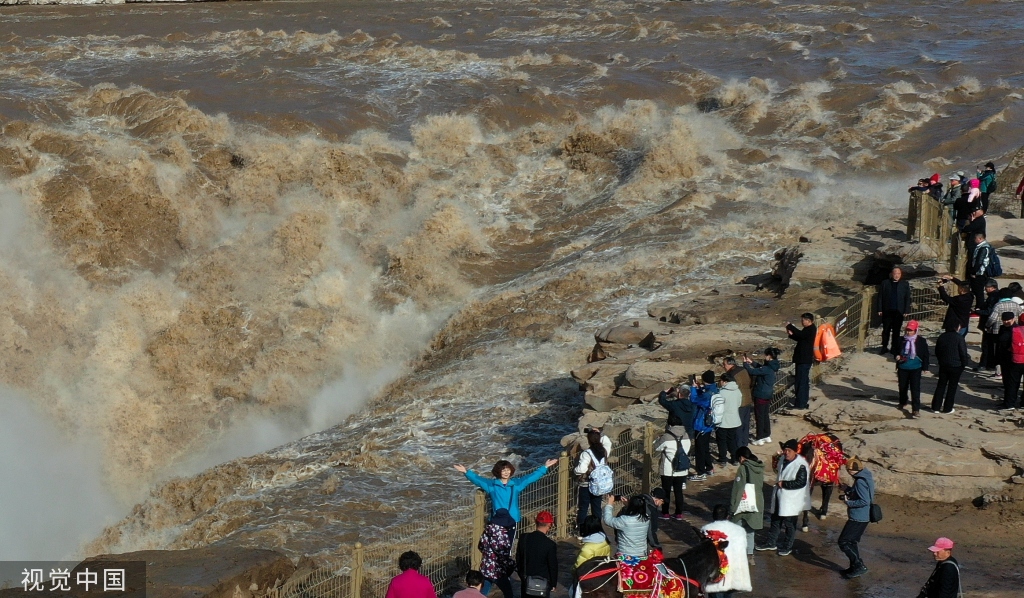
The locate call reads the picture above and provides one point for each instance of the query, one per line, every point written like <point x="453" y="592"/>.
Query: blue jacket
<point x="506" y="496"/>
<point x="860" y="497"/>
<point x="702" y="401"/>
<point x="763" y="385"/>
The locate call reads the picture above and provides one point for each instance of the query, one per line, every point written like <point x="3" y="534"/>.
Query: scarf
<point x="910" y="346"/>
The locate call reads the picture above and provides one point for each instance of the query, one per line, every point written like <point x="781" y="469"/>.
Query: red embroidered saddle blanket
<point x="640" y="576"/>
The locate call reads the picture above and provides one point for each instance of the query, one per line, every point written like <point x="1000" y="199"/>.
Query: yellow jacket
<point x="593" y="547"/>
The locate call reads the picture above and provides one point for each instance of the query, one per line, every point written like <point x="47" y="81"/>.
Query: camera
<point x="618" y="497"/>
<point x="842" y="497"/>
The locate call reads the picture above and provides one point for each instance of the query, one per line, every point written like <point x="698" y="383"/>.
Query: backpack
<point x="602" y="480"/>
<point x="717" y="411"/>
<point x="681" y="462"/>
<point x="995" y="268"/>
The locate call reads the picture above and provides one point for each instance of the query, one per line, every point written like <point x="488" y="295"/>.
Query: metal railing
<point x="931" y="224"/>
<point x="447" y="540"/>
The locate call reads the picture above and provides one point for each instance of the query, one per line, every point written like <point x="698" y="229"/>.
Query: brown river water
<point x="231" y="227"/>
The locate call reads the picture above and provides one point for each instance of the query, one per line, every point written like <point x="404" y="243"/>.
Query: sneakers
<point x="665" y="516"/>
<point x="764" y="441"/>
<point x="785" y="552"/>
<point x="805" y="529"/>
<point x="915" y="415"/>
<point x="678" y="516"/>
<point x="822" y="517"/>
<point x="700" y="477"/>
<point x="950" y="412"/>
<point x="765" y="547"/>
<point x="855" y="572"/>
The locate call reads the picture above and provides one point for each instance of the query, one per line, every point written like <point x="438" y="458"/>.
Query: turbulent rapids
<point x="228" y="228"/>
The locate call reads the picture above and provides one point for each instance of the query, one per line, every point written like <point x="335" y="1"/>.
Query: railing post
<point x="357" y="570"/>
<point x="479" y="507"/>
<point x="562" y="515"/>
<point x="913" y="215"/>
<point x="867" y="299"/>
<point x="645" y="482"/>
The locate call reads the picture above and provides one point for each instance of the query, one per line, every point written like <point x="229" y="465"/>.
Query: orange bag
<point x="825" y="345"/>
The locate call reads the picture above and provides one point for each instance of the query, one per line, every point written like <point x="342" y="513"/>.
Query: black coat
<point x="680" y="411"/>
<point x="951" y="350"/>
<point x="970" y="229"/>
<point x="537" y="556"/>
<point x="1004" y="345"/>
<point x="944" y="581"/>
<point x="959" y="311"/>
<point x="900" y="291"/>
<point x="803" y="353"/>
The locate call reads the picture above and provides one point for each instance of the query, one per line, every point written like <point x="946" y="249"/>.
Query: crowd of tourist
<point x="720" y="407"/>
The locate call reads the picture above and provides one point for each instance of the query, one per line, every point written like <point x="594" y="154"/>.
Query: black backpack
<point x="681" y="462"/>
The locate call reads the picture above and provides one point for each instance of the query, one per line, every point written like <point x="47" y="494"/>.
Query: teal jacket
<point x="987" y="180"/>
<point x="506" y="496"/>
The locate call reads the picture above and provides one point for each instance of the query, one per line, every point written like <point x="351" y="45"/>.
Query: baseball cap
<point x="912" y="325"/>
<point x="545" y="518"/>
<point x="1008" y="315"/>
<point x="941" y="544"/>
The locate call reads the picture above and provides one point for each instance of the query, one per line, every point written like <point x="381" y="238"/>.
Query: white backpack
<point x="717" y="409"/>
<point x="602" y="480"/>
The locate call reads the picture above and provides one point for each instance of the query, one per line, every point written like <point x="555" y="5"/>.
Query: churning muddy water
<point x="229" y="227"/>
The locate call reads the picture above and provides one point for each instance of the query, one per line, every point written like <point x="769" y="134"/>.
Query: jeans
<point x="910" y="380"/>
<point x="750" y="535"/>
<point x="587" y="501"/>
<point x="782" y="532"/>
<point x="949" y="379"/>
<point x="762" y="410"/>
<point x="743" y="434"/>
<point x="703" y="452"/>
<point x="727" y="443"/>
<point x="848" y="540"/>
<point x="892" y="323"/>
<point x="673" y="483"/>
<point x="802" y="386"/>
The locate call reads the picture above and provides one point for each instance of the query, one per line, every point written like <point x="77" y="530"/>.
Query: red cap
<point x="941" y="544"/>
<point x="936" y="178"/>
<point x="912" y="325"/>
<point x="545" y="518"/>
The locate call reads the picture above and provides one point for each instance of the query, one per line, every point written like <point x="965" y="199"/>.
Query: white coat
<point x="738" y="576"/>
<point x="667" y="448"/>
<point x="790" y="503"/>
<point x="583" y="465"/>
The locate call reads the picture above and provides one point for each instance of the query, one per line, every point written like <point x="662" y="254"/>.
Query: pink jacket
<point x="411" y="584"/>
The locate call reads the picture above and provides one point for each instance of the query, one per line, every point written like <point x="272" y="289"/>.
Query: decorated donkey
<point x="693" y="570"/>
